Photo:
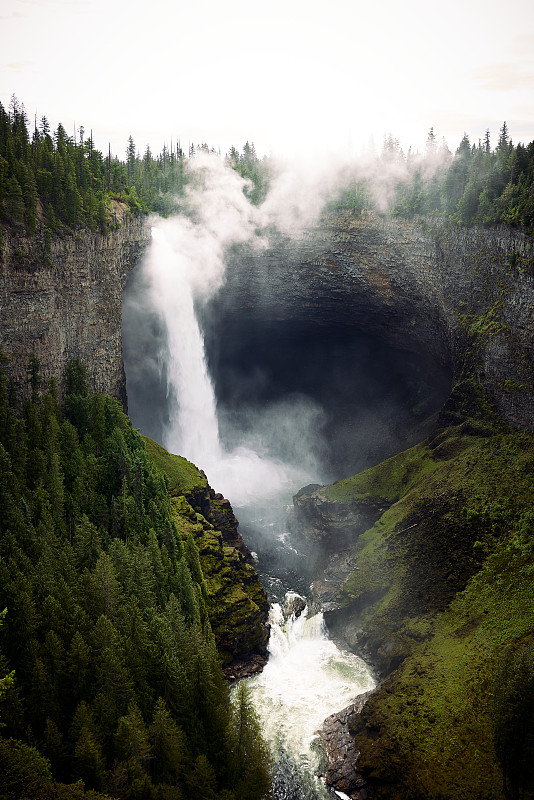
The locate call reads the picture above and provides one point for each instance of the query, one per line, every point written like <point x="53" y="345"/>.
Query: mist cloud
<point x="217" y="214"/>
<point x="184" y="267"/>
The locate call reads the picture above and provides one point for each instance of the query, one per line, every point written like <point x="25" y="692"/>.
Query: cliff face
<point x="62" y="300"/>
<point x="462" y="297"/>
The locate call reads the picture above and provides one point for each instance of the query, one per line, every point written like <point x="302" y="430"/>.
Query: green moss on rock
<point x="235" y="600"/>
<point x="449" y="516"/>
<point x="184" y="478"/>
<point x="428" y="726"/>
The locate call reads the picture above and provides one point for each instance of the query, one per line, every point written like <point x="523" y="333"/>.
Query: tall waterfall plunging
<point x="243" y="472"/>
<point x="195" y="431"/>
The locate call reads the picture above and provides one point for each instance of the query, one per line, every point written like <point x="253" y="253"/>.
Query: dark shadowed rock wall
<point x="460" y="298"/>
<point x="454" y="298"/>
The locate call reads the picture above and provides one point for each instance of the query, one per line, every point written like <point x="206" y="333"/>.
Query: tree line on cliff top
<point x="475" y="185"/>
<point x="478" y="185"/>
<point x="110" y="681"/>
<point x="57" y="180"/>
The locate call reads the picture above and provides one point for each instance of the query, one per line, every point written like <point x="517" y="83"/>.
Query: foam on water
<point x="306" y="679"/>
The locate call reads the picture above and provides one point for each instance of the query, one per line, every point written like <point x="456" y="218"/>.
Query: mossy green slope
<point x="427" y="732"/>
<point x="234" y="597"/>
<point x="443" y="585"/>
<point x="184" y="478"/>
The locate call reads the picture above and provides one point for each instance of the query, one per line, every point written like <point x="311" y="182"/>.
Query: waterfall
<point x="194" y="432"/>
<point x="245" y="472"/>
<point x="306" y="679"/>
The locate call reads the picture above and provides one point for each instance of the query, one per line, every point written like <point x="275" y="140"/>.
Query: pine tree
<point x="88" y="759"/>
<point x="14" y="200"/>
<point x="169" y="746"/>
<point x="132" y="737"/>
<point x="252" y="759"/>
<point x="6" y="681"/>
<point x="131" y="160"/>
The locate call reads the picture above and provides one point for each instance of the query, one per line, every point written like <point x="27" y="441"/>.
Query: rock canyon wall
<point x="62" y="299"/>
<point x="464" y="297"/>
<point x="461" y="297"/>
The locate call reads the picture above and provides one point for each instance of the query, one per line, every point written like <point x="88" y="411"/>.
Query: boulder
<point x="337" y="743"/>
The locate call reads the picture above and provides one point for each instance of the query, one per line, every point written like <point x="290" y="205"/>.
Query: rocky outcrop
<point x="61" y="299"/>
<point x="235" y="599"/>
<point x="332" y="524"/>
<point x="336" y="739"/>
<point x="221" y="515"/>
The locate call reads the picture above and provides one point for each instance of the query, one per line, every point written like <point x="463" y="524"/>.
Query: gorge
<point x="386" y="333"/>
<point x="403" y="300"/>
<point x="428" y="305"/>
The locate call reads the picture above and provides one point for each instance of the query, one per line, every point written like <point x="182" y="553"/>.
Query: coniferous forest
<point x="52" y="179"/>
<point x="475" y="185"/>
<point x="111" y="679"/>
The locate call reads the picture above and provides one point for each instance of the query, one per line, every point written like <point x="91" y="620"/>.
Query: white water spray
<point x="186" y="266"/>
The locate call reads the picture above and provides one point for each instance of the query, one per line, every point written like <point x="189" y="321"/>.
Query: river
<point x="308" y="676"/>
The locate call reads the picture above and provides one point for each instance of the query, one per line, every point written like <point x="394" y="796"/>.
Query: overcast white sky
<point x="286" y="74"/>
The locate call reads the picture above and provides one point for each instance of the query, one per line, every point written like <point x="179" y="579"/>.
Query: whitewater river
<point x="308" y="677"/>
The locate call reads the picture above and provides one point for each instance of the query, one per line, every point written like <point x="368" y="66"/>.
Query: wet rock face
<point x="370" y="302"/>
<point x="236" y="602"/>
<point x="370" y="320"/>
<point x="327" y="531"/>
<point x="332" y="524"/>
<point x="64" y="302"/>
<point x="369" y="274"/>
